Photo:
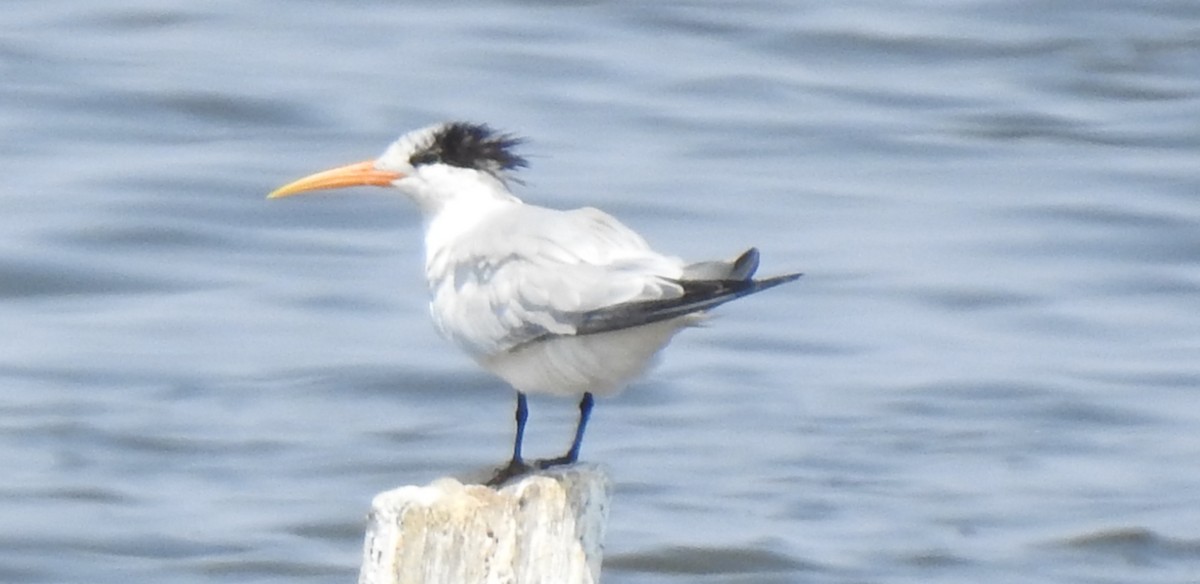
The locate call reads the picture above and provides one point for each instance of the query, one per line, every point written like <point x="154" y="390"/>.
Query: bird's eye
<point x="426" y="157"/>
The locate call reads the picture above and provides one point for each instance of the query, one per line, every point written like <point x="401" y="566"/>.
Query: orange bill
<point x="351" y="175"/>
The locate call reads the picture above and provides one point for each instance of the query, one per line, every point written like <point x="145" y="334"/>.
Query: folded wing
<point x="537" y="273"/>
<point x="529" y="272"/>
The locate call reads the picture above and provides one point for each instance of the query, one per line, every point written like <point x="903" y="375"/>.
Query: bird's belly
<point x="601" y="363"/>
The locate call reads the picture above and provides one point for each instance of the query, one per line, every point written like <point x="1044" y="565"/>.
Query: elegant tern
<point x="568" y="303"/>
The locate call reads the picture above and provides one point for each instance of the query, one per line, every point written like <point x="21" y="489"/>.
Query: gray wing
<point x="531" y="272"/>
<point x="734" y="280"/>
<point x="538" y="273"/>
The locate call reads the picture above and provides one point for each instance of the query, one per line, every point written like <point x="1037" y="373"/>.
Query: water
<point x="988" y="373"/>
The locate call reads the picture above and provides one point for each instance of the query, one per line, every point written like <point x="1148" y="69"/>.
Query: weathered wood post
<point x="546" y="527"/>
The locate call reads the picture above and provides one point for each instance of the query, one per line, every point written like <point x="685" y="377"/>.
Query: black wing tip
<point x="773" y="281"/>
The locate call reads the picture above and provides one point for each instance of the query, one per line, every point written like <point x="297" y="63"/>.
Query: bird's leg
<point x="585" y="410"/>
<point x="522" y="415"/>
<point x="516" y="466"/>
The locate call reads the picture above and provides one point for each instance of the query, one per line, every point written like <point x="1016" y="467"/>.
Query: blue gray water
<point x="988" y="374"/>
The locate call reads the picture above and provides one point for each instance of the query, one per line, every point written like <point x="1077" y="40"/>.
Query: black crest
<point x="468" y="145"/>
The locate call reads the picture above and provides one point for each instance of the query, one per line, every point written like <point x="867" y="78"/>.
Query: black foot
<point x="513" y="469"/>
<point x="549" y="462"/>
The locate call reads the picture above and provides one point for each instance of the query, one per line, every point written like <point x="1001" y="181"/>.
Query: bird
<point x="569" y="303"/>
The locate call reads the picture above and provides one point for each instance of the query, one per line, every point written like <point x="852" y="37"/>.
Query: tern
<point x="559" y="302"/>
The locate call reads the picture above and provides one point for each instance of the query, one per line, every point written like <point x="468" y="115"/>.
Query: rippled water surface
<point x="988" y="374"/>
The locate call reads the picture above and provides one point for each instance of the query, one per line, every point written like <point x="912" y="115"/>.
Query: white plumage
<point x="525" y="273"/>
<point x="569" y="303"/>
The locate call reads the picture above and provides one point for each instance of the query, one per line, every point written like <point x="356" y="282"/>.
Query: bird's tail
<point x="739" y="268"/>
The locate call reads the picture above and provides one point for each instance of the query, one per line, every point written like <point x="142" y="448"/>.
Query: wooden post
<point x="546" y="527"/>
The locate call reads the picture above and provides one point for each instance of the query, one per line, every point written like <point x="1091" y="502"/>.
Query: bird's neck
<point x="454" y="219"/>
<point x="454" y="202"/>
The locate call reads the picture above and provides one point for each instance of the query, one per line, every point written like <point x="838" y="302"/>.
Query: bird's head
<point x="433" y="166"/>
